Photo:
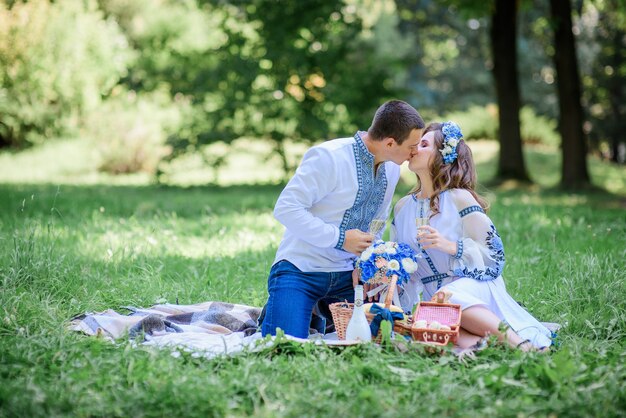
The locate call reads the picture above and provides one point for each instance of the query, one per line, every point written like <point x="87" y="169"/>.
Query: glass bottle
<point x="358" y="327"/>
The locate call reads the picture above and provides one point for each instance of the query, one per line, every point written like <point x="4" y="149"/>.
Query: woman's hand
<point x="428" y="237"/>
<point x="356" y="277"/>
<point x="366" y="288"/>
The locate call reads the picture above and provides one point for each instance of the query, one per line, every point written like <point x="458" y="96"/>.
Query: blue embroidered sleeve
<point x="459" y="249"/>
<point x="342" y="238"/>
<point x="480" y="260"/>
<point x="471" y="209"/>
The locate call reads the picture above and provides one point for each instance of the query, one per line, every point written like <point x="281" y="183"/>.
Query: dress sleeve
<point x="480" y="253"/>
<point x="314" y="179"/>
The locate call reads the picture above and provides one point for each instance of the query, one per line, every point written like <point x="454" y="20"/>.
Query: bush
<point x="131" y="130"/>
<point x="537" y="129"/>
<point x="477" y="122"/>
<point x="57" y="60"/>
<point x="482" y="123"/>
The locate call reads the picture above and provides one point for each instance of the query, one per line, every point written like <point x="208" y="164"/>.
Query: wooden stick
<point x="390" y="290"/>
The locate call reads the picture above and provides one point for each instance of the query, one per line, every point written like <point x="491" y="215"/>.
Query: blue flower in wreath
<point x="451" y="136"/>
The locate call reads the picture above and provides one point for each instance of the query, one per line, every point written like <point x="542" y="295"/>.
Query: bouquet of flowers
<point x="382" y="260"/>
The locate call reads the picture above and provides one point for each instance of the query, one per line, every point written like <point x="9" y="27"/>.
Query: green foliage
<point x="603" y="53"/>
<point x="449" y="46"/>
<point x="130" y="130"/>
<point x="266" y="69"/>
<point x="57" y="61"/>
<point x="482" y="123"/>
<point x="286" y="71"/>
<point x="538" y="129"/>
<point x="477" y="122"/>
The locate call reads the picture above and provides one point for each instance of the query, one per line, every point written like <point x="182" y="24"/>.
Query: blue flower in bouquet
<point x="384" y="259"/>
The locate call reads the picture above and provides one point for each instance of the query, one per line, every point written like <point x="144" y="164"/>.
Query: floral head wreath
<point x="451" y="137"/>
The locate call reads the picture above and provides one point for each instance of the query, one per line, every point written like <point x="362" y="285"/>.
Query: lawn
<point x="68" y="247"/>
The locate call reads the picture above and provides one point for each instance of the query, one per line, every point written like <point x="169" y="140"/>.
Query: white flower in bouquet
<point x="409" y="265"/>
<point x="393" y="265"/>
<point x="380" y="249"/>
<point x="365" y="255"/>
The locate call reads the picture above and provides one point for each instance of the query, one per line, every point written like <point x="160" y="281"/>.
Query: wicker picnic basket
<point x="342" y="312"/>
<point x="447" y="314"/>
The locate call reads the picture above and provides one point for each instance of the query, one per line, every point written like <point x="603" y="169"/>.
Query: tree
<point x="57" y="61"/>
<point x="574" y="171"/>
<point x="603" y="68"/>
<point x="503" y="42"/>
<point x="503" y="34"/>
<point x="264" y="69"/>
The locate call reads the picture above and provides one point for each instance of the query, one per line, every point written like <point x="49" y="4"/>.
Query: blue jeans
<point x="293" y="294"/>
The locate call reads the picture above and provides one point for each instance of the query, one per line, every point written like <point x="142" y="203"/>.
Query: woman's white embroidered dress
<point x="473" y="274"/>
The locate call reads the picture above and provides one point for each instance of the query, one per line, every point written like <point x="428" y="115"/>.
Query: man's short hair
<point x="395" y="119"/>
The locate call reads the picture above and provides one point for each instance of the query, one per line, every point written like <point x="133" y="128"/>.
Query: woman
<point x="460" y="246"/>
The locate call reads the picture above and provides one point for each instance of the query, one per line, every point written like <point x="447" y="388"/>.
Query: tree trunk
<point x="574" y="172"/>
<point x="616" y="98"/>
<point x="504" y="48"/>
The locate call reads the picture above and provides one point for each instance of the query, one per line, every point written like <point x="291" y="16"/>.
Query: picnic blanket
<point x="206" y="317"/>
<point x="205" y="329"/>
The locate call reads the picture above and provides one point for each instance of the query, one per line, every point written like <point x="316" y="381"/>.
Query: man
<point x="339" y="187"/>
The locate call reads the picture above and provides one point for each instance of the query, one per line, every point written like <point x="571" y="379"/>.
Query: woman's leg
<point x="467" y="339"/>
<point x="482" y="322"/>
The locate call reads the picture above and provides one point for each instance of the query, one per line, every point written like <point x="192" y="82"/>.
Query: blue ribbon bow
<point x="382" y="313"/>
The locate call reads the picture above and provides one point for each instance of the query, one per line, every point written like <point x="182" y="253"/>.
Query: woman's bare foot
<point x="527" y="346"/>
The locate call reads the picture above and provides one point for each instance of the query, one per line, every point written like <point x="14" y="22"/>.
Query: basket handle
<point x="390" y="290"/>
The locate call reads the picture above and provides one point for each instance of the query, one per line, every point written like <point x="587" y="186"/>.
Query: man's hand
<point x="356" y="276"/>
<point x="357" y="241"/>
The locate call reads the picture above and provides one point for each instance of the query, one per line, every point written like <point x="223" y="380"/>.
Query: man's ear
<point x="389" y="142"/>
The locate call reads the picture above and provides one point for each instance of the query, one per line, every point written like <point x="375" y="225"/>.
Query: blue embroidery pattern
<point x="370" y="194"/>
<point x="494" y="243"/>
<point x="471" y="209"/>
<point x="430" y="262"/>
<point x="459" y="249"/>
<point x="434" y="278"/>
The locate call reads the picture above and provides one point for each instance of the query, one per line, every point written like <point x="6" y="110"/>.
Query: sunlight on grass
<point x="62" y="161"/>
<point x="224" y="236"/>
<point x="249" y="161"/>
<point x="189" y="245"/>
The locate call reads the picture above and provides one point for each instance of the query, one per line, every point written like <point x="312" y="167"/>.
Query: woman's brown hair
<point x="459" y="174"/>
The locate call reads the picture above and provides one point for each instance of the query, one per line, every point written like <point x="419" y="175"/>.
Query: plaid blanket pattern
<point x="208" y="317"/>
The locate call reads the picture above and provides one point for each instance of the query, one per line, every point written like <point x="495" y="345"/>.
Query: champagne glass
<point x="376" y="226"/>
<point x="419" y="221"/>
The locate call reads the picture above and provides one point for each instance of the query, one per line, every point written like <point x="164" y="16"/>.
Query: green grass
<point x="70" y="249"/>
